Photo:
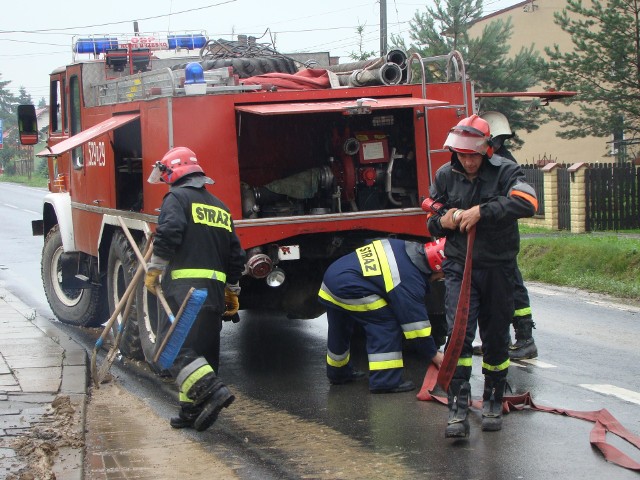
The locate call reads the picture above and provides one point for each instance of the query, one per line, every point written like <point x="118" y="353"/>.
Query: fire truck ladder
<point x="455" y="71"/>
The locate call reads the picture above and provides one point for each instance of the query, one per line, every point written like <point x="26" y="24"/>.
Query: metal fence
<point x="564" y="199"/>
<point x="612" y="197"/>
<point x="535" y="178"/>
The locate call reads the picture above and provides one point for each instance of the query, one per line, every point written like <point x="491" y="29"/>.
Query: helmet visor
<point x="460" y="141"/>
<point x="156" y="174"/>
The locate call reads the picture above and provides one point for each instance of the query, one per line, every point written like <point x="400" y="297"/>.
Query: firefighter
<point x="489" y="193"/>
<point x="523" y="325"/>
<point x="195" y="245"/>
<point x="382" y="287"/>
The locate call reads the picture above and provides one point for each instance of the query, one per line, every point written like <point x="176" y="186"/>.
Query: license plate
<point x="289" y="252"/>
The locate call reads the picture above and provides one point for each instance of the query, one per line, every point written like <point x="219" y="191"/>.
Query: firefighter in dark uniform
<point x="489" y="193"/>
<point x="523" y="325"/>
<point x="382" y="287"/>
<point x="196" y="245"/>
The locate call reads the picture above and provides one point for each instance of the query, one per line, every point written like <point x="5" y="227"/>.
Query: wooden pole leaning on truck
<point x="125" y="302"/>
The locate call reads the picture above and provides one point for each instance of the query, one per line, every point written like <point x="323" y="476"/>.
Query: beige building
<point x="533" y="23"/>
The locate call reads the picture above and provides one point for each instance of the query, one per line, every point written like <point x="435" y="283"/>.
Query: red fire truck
<point x="308" y="173"/>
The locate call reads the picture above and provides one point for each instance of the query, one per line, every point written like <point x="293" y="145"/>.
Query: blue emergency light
<point x="187" y="41"/>
<point x="95" y="45"/>
<point x="193" y="74"/>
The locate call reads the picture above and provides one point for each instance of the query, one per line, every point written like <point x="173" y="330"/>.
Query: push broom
<point x="180" y="324"/>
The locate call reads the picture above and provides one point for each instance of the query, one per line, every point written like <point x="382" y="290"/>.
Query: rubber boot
<point x="492" y="396"/>
<point x="525" y="347"/>
<point x="209" y="396"/>
<point x="220" y="399"/>
<point x="186" y="416"/>
<point x="459" y="398"/>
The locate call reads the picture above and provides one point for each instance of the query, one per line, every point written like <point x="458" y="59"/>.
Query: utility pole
<point x="383" y="28"/>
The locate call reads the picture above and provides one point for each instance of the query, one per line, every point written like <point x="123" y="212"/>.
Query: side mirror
<point x="27" y="124"/>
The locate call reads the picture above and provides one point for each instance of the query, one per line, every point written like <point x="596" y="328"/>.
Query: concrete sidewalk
<point x="43" y="395"/>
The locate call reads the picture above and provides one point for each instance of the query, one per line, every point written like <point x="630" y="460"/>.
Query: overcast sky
<point x="36" y="36"/>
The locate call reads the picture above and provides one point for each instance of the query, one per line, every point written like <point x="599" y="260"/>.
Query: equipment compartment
<point x="326" y="162"/>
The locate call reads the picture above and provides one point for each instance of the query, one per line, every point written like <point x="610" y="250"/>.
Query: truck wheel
<point x="121" y="268"/>
<point x="148" y="318"/>
<point x="81" y="307"/>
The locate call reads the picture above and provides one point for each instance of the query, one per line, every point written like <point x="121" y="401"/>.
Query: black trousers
<point x="491" y="308"/>
<point x="203" y="339"/>
<point x="520" y="294"/>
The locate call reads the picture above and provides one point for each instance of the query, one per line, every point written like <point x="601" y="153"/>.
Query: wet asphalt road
<point x="288" y="422"/>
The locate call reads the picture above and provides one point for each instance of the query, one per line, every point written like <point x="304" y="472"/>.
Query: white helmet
<point x="498" y="123"/>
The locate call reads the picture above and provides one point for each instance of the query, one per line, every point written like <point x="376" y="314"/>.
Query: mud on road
<point x="123" y="434"/>
<point x="125" y="438"/>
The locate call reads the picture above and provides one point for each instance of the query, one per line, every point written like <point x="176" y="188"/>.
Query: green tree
<point x="23" y="97"/>
<point x="445" y="28"/>
<point x="361" y="54"/>
<point x="9" y="121"/>
<point x="603" y="67"/>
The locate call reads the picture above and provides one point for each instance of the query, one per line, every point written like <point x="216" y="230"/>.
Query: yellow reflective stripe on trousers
<point x="199" y="273"/>
<point x="390" y="272"/>
<point x="465" y="362"/>
<point x="372" y="302"/>
<point x="521" y="312"/>
<point x="191" y="381"/>
<point x="416" y="330"/>
<point x="385" y="361"/>
<point x="338" y="360"/>
<point x="497" y="368"/>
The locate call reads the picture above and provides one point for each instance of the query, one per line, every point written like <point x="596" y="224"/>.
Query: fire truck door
<point x="92" y="175"/>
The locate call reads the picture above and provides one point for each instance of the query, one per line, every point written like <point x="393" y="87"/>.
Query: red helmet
<point x="176" y="163"/>
<point x="471" y="135"/>
<point x="434" y="251"/>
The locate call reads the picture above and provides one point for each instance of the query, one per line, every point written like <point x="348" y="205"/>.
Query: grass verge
<point x="603" y="263"/>
<point x="34" y="181"/>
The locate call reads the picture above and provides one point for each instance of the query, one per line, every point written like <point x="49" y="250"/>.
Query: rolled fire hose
<point x="387" y="74"/>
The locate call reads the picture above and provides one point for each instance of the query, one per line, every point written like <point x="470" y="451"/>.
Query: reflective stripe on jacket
<point x="380" y="275"/>
<point x="195" y="233"/>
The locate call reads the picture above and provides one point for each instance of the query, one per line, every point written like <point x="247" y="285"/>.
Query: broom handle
<point x="134" y="245"/>
<point x="159" y="293"/>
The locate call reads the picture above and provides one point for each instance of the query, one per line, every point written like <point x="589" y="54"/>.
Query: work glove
<point x="231" y="302"/>
<point x="155" y="268"/>
<point x="152" y="280"/>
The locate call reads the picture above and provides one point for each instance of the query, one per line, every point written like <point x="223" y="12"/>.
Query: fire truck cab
<point x="309" y="174"/>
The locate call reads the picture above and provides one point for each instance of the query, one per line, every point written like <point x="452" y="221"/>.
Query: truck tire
<point x="148" y="318"/>
<point x="81" y="307"/>
<point x="121" y="267"/>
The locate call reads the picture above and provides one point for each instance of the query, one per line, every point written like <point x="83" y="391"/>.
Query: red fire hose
<point x="603" y="420"/>
<point x="456" y="341"/>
